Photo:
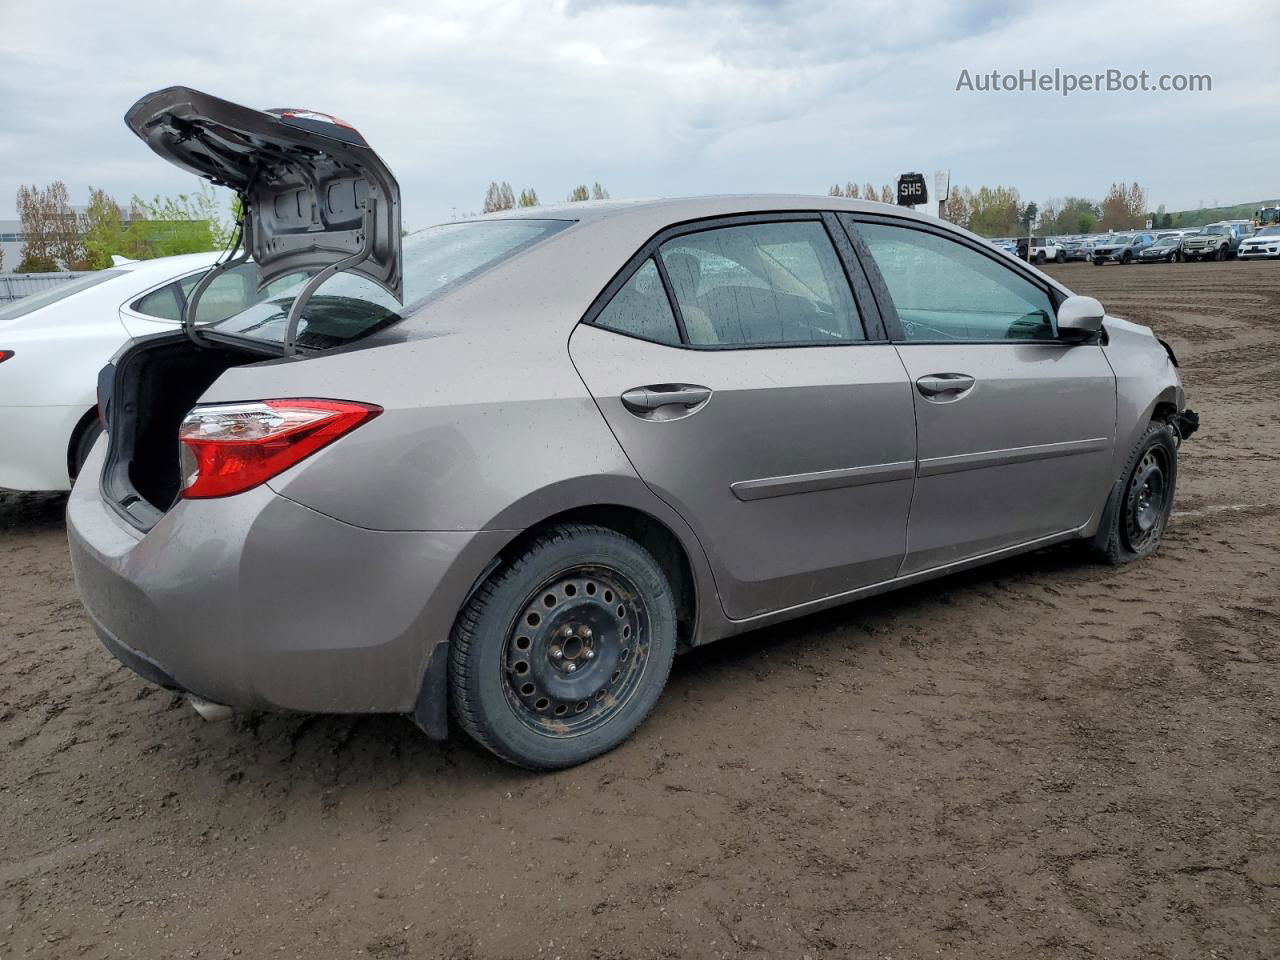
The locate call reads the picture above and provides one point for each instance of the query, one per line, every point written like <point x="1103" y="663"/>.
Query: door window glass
<point x="641" y="308"/>
<point x="761" y="283"/>
<point x="945" y="290"/>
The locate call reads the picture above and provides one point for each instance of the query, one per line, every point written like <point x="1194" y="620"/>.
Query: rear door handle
<point x="643" y="400"/>
<point x="937" y="384"/>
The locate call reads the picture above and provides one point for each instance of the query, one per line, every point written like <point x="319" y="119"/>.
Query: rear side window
<point x="944" y="290"/>
<point x="641" y="309"/>
<point x="347" y="307"/>
<point x="163" y="304"/>
<point x="775" y="283"/>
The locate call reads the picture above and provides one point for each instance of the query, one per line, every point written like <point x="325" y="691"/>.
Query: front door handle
<point x="646" y="400"/>
<point x="938" y="384"/>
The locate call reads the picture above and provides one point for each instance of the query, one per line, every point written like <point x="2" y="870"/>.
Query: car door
<point x="1015" y="428"/>
<point x="750" y="393"/>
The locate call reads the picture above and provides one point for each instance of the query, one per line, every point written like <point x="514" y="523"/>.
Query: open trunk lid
<point x="315" y="194"/>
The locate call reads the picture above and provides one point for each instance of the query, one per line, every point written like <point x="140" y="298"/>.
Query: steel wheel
<point x="1147" y="499"/>
<point x="564" y="649"/>
<point x="577" y="651"/>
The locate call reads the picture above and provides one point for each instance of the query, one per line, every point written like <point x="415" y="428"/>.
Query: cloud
<point x="656" y="98"/>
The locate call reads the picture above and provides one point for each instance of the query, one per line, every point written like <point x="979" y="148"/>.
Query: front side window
<point x="776" y="283"/>
<point x="944" y="290"/>
<point x="641" y="308"/>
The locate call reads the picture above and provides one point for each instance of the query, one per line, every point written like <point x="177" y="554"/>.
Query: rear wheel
<point x="563" y="652"/>
<point x="1138" y="509"/>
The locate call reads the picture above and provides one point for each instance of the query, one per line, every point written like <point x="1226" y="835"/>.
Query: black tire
<point x="1137" y="511"/>
<point x="1126" y="258"/>
<point x="86" y="436"/>
<point x="561" y="654"/>
<point x="1040" y="258"/>
<point x="1060" y="257"/>
<point x="1221" y="255"/>
<point x="1097" y="263"/>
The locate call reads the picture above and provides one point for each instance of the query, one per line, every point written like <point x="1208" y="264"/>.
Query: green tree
<point x="1027" y="218"/>
<point x="579" y="193"/>
<point x="995" y="211"/>
<point x="598" y="192"/>
<point x="959" y="207"/>
<point x="168" y="226"/>
<point x="529" y="198"/>
<point x="835" y="191"/>
<point x="103" y="229"/>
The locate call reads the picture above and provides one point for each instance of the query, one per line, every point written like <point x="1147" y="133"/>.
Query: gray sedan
<point x="504" y="470"/>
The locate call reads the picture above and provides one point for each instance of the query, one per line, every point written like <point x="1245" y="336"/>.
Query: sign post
<point x="912" y="190"/>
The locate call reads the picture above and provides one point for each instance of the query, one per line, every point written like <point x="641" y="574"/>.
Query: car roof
<point x="678" y="209"/>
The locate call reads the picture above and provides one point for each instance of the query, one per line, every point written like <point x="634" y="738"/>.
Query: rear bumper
<point x="256" y="601"/>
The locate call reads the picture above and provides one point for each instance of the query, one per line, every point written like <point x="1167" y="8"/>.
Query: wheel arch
<point x="86" y="421"/>
<point x="652" y="524"/>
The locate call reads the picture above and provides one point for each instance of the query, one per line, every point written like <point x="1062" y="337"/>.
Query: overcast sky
<point x="663" y="98"/>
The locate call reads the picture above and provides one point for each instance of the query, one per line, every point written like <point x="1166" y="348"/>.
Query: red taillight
<point x="5" y="355"/>
<point x="228" y="448"/>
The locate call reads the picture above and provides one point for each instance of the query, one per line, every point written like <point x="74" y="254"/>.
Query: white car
<point x="1042" y="250"/>
<point x="52" y="345"/>
<point x="1265" y="244"/>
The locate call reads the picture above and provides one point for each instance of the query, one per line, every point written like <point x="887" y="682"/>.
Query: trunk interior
<point x="148" y="393"/>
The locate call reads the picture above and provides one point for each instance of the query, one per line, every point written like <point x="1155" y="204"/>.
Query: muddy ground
<point x="1038" y="759"/>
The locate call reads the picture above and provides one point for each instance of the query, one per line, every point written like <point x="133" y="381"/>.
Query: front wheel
<point x="1221" y="255"/>
<point x="1126" y="258"/>
<point x="562" y="653"/>
<point x="1040" y="258"/>
<point x="1060" y="258"/>
<point x="1141" y="500"/>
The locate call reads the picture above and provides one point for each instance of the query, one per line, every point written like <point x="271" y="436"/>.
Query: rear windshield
<point x="347" y="307"/>
<point x="60" y="290"/>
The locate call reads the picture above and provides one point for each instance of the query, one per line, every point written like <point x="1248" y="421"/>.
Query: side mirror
<point x="1079" y="319"/>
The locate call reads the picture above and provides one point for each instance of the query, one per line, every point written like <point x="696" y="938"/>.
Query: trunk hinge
<point x="300" y="302"/>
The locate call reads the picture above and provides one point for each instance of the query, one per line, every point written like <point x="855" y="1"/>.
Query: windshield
<point x="1216" y="231"/>
<point x="59" y="291"/>
<point x="1123" y="239"/>
<point x="347" y="307"/>
<point x="1167" y="241"/>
